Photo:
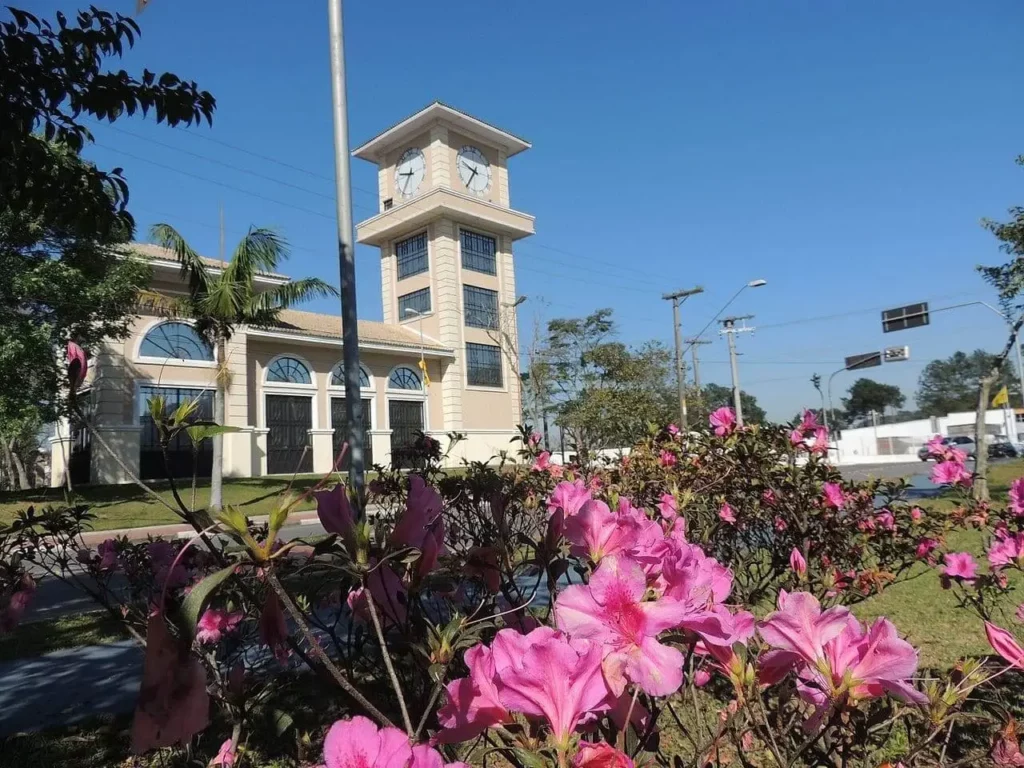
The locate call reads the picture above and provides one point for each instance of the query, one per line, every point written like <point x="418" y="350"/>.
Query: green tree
<point x="867" y="396"/>
<point x="605" y="393"/>
<point x="62" y="219"/>
<point x="951" y="385"/>
<point x="219" y="303"/>
<point x="714" y="396"/>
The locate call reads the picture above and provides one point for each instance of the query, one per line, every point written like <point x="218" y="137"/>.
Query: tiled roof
<point x="151" y="251"/>
<point x="329" y="326"/>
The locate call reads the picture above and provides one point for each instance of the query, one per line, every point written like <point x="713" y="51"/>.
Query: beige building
<point x="445" y="232"/>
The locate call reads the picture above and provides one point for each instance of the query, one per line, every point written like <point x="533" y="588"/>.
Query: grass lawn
<point x="39" y="637"/>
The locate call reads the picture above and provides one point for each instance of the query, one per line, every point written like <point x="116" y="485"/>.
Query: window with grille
<point x="478" y="252"/>
<point x="480" y="307"/>
<point x="417" y="300"/>
<point x="288" y="370"/>
<point x="483" y="365"/>
<point x="175" y="340"/>
<point x="412" y="255"/>
<point x="338" y="377"/>
<point x="404" y="378"/>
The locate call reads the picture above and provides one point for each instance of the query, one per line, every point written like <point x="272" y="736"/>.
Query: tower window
<point x="412" y="255"/>
<point x="417" y="300"/>
<point x="478" y="252"/>
<point x="483" y="365"/>
<point x="480" y="307"/>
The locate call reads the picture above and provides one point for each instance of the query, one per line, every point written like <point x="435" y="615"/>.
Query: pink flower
<point x="335" y="513"/>
<point x="611" y="612"/>
<point x="1017" y="497"/>
<point x="473" y="704"/>
<point x="886" y="520"/>
<point x="820" y="438"/>
<point x="799" y="630"/>
<point x="936" y="448"/>
<point x="1006" y="750"/>
<point x="215" y="623"/>
<point x="534" y="438"/>
<point x="673" y="430"/>
<point x="358" y="743"/>
<point x="768" y="498"/>
<point x="107" y="550"/>
<point x="796" y="438"/>
<point x="916" y="514"/>
<point x="225" y="756"/>
<point x="667" y="459"/>
<point x="556" y="471"/>
<point x="668" y="507"/>
<point x="595" y="531"/>
<point x="951" y="473"/>
<point x="162" y="555"/>
<point x="273" y="629"/>
<point x="389" y="594"/>
<point x="1005" y="645"/>
<point x="17" y="604"/>
<point x="1008" y="551"/>
<point x="834" y="496"/>
<point x="542" y="462"/>
<point x="701" y="678"/>
<point x="568" y="497"/>
<point x="600" y="755"/>
<point x="797" y="563"/>
<point x="78" y="366"/>
<point x="547" y="674"/>
<point x="925" y="547"/>
<point x="809" y="421"/>
<point x="726" y="513"/>
<point x="421" y="525"/>
<point x="960" y="566"/>
<point x="723" y="421"/>
<point x="780" y="524"/>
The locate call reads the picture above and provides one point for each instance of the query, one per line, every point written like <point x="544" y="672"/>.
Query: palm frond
<point x="261" y="250"/>
<point x="284" y="296"/>
<point x="193" y="268"/>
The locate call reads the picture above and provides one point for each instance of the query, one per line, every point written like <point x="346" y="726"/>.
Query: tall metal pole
<point x="737" y="401"/>
<point x="677" y="298"/>
<point x="346" y="255"/>
<point x="694" y="344"/>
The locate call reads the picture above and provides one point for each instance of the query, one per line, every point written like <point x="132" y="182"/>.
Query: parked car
<point x="961" y="442"/>
<point x="1001" y="448"/>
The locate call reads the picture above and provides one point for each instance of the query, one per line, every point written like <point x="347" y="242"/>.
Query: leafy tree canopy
<point x="714" y="396"/>
<point x="951" y="385"/>
<point x="867" y="396"/>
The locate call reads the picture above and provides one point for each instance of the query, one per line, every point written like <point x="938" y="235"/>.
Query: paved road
<point x="913" y="469"/>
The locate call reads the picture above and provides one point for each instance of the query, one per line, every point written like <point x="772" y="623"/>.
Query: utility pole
<point x="730" y="330"/>
<point x="346" y="255"/>
<point x="693" y="344"/>
<point x="678" y="298"/>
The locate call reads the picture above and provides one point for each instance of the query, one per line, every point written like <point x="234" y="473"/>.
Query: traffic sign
<point x="902" y="318"/>
<point x="867" y="360"/>
<point x="896" y="354"/>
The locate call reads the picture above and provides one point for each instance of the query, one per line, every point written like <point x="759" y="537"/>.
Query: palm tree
<point x="221" y="302"/>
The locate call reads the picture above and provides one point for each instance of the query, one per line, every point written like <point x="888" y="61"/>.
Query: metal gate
<point x="405" y="418"/>
<point x="289" y="419"/>
<point x="180" y="459"/>
<point x="80" y="454"/>
<point x="340" y="424"/>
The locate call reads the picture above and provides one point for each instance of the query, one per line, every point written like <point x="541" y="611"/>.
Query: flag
<point x="426" y="376"/>
<point x="1002" y="398"/>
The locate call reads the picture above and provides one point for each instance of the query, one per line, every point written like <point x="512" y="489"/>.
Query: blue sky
<point x="845" y="152"/>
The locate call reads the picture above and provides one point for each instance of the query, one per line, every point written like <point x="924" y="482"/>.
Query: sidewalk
<point x="182" y="530"/>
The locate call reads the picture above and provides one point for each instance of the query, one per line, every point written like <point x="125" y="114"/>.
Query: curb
<point x="181" y="530"/>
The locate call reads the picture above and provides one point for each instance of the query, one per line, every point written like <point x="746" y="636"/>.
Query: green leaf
<point x="281" y="721"/>
<point x="200" y="432"/>
<point x="192" y="607"/>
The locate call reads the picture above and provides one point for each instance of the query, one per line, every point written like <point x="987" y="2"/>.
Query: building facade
<point x="445" y="231"/>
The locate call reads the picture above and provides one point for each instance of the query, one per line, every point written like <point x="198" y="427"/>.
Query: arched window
<point x="338" y="377"/>
<point x="404" y="378"/>
<point x="175" y="340"/>
<point x="288" y="370"/>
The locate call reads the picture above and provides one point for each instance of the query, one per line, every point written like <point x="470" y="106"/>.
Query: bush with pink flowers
<point x="685" y="611"/>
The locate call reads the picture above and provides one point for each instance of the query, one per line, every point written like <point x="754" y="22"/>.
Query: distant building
<point x="445" y="232"/>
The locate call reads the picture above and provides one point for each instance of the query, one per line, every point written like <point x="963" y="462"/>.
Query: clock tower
<point x="445" y="230"/>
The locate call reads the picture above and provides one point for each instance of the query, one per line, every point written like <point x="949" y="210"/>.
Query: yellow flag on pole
<point x="426" y="376"/>
<point x="1002" y="398"/>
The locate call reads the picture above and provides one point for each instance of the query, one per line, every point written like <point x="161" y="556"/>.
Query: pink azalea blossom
<point x="600" y="755"/>
<point x="768" y="497"/>
<point x="667" y="459"/>
<point x="701" y="678"/>
<point x="723" y="421"/>
<point x="951" y="473"/>
<point x="726" y="513"/>
<point x="925" y="547"/>
<point x="796" y="438"/>
<point x="556" y="471"/>
<point x="358" y="743"/>
<point x="780" y="524"/>
<point x="78" y="366"/>
<point x="673" y="430"/>
<point x="1017" y="497"/>
<point x="668" y="508"/>
<point x="215" y="624"/>
<point x="797" y="563"/>
<point x="1006" y="750"/>
<point x="611" y="611"/>
<point x="107" y="550"/>
<point x="820" y="438"/>
<point x="916" y="514"/>
<point x="569" y="497"/>
<point x="886" y="520"/>
<point x="335" y="513"/>
<point x="18" y="602"/>
<point x="473" y="703"/>
<point x="597" y="532"/>
<point x="162" y="556"/>
<point x="1008" y="551"/>
<point x="936" y="448"/>
<point x="273" y="629"/>
<point x="534" y="438"/>
<point x="542" y="462"/>
<point x="809" y="420"/>
<point x="226" y="756"/>
<point x="799" y="630"/>
<point x="960" y="566"/>
<point x="834" y="496"/>
<point x="421" y="525"/>
<point x="1005" y="645"/>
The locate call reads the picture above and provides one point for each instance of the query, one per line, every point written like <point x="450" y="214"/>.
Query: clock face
<point x="474" y="170"/>
<point x="409" y="172"/>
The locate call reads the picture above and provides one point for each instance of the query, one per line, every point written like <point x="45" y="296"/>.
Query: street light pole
<point x="346" y="255"/>
<point x="677" y="298"/>
<point x="694" y="344"/>
<point x="730" y="330"/>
